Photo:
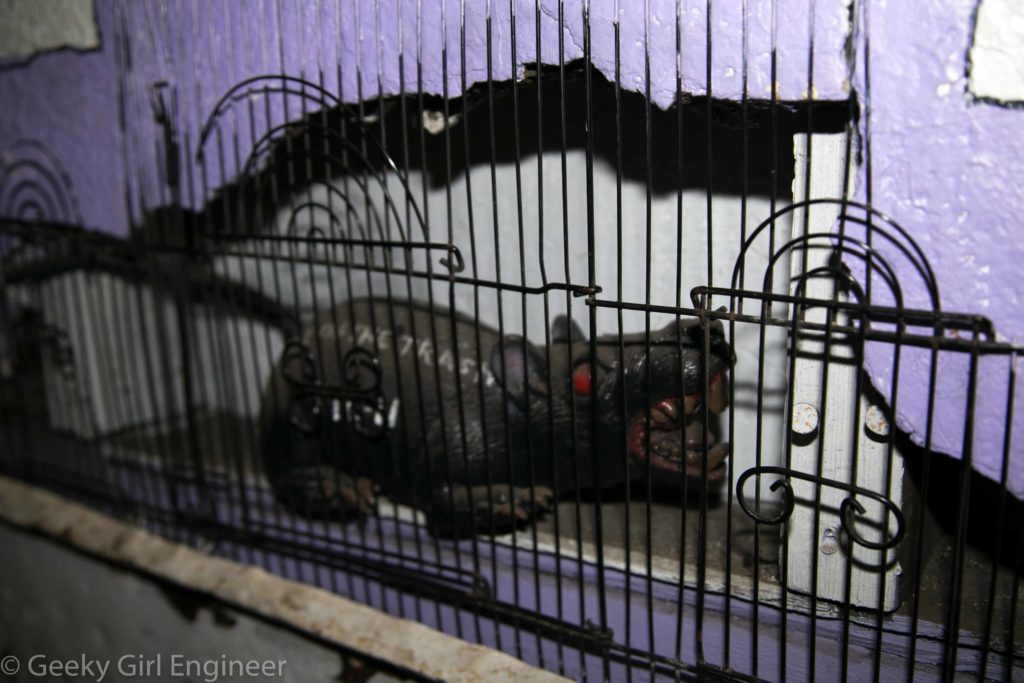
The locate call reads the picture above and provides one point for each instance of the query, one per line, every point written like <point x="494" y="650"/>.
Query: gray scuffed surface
<point x="398" y="642"/>
<point x="61" y="604"/>
<point x="31" y="26"/>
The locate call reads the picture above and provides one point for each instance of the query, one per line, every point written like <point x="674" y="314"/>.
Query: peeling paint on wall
<point x="28" y="27"/>
<point x="947" y="168"/>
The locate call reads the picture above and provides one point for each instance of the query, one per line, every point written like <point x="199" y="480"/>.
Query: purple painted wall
<point x="943" y="166"/>
<point x="205" y="48"/>
<point x="68" y="99"/>
<point x="948" y="169"/>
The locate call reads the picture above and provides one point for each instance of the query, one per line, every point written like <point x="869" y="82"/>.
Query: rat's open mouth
<point x="676" y="439"/>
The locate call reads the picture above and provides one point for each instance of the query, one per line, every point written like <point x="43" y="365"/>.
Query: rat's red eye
<point x="581" y="380"/>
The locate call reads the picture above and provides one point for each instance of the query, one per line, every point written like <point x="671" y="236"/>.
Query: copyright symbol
<point x="9" y="665"/>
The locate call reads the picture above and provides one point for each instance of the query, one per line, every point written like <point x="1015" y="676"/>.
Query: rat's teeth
<point x="664" y="413"/>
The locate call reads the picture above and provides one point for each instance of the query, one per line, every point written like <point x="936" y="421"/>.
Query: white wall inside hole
<point x="232" y="356"/>
<point x="543" y="202"/>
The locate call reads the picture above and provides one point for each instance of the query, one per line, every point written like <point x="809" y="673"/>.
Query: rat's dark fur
<point x="475" y="429"/>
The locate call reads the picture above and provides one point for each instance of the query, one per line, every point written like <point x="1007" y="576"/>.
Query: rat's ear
<point x="523" y="365"/>
<point x="719" y="347"/>
<point x="563" y="329"/>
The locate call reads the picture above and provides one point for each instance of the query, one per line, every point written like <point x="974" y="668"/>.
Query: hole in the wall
<point x="717" y="152"/>
<point x="31" y="29"/>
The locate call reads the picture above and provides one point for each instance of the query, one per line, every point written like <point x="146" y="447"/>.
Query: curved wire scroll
<point x="358" y="156"/>
<point x="848" y="509"/>
<point x="360" y="390"/>
<point x="340" y="152"/>
<point x="286" y="85"/>
<point x="875" y="223"/>
<point x="34" y="185"/>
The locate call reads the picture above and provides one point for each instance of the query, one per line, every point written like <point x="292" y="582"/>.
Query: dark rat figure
<point x="378" y="395"/>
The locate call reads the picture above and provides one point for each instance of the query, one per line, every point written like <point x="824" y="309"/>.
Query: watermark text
<point x="142" y="666"/>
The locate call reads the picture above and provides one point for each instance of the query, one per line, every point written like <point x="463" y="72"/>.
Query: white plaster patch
<point x="997" y="55"/>
<point x="30" y="26"/>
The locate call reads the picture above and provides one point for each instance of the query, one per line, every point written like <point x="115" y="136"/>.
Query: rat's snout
<point x="718" y="392"/>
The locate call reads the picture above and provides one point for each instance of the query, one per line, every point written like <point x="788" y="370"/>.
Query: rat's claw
<point x="366" y="494"/>
<point x="540" y="497"/>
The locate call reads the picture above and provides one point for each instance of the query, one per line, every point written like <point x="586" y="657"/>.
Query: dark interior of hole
<point x="995" y="519"/>
<point x="728" y="147"/>
<point x="932" y="486"/>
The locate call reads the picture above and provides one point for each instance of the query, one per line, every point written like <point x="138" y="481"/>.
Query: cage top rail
<point x="900" y="317"/>
<point x="126" y="257"/>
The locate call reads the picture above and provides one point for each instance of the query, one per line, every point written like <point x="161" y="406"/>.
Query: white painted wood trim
<point x="836" y="421"/>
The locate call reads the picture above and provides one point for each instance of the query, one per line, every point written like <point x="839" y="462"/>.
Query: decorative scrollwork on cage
<point x="373" y="219"/>
<point x="34" y="185"/>
<point x="358" y="399"/>
<point x="362" y="371"/>
<point x="878" y="228"/>
<point x="849" y="509"/>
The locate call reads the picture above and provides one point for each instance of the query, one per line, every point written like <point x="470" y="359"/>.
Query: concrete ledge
<point x="400" y="642"/>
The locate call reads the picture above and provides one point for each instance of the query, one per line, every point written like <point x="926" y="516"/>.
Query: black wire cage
<point x="517" y="322"/>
